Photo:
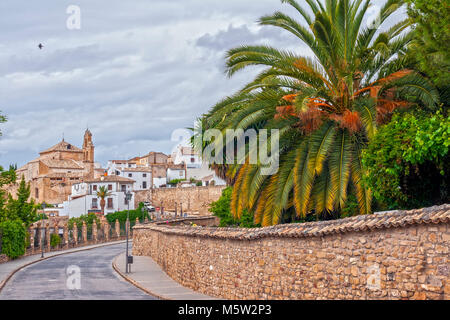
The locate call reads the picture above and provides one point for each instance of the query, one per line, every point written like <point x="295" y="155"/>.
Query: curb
<point x="136" y="284"/>
<point x="4" y="282"/>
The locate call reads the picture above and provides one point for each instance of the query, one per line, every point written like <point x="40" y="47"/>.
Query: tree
<point x="102" y="193"/>
<point x="21" y="208"/>
<point x="2" y="120"/>
<point x="6" y="178"/>
<point x="13" y="238"/>
<point x="326" y="108"/>
<point x="431" y="47"/>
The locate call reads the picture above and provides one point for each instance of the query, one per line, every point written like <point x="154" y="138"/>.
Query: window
<point x="144" y="185"/>
<point x="36" y="193"/>
<point x="110" y="203"/>
<point x="117" y="173"/>
<point x="181" y="173"/>
<point x="109" y="186"/>
<point x="94" y="187"/>
<point x="123" y="187"/>
<point x="94" y="203"/>
<point x="192" y="160"/>
<point x="130" y="175"/>
<point x="144" y="175"/>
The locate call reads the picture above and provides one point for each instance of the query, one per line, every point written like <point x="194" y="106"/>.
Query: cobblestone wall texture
<point x="393" y="255"/>
<point x="195" y="200"/>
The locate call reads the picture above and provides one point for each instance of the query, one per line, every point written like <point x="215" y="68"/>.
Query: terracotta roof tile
<point x="62" y="146"/>
<point x="436" y="214"/>
<point x="111" y="178"/>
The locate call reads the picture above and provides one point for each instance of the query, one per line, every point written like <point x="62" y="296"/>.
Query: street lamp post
<point x="44" y="205"/>
<point x="128" y="196"/>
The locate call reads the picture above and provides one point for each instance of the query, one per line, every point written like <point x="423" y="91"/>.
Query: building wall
<point x="139" y="178"/>
<point x="396" y="255"/>
<point x="82" y="205"/>
<point x="194" y="199"/>
<point x="173" y="174"/>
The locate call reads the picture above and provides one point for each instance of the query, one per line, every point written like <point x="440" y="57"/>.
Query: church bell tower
<point x="88" y="147"/>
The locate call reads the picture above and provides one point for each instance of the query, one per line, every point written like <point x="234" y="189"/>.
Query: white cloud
<point x="135" y="71"/>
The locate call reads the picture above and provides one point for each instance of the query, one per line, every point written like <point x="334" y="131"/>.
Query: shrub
<point x="174" y="182"/>
<point x="13" y="238"/>
<point x="407" y="161"/>
<point x="55" y="240"/>
<point x="221" y="209"/>
<point x="87" y="218"/>
<point x="122" y="215"/>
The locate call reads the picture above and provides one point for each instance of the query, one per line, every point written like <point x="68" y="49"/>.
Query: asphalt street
<point x="85" y="275"/>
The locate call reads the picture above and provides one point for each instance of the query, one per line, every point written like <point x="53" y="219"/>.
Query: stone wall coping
<point x="391" y="219"/>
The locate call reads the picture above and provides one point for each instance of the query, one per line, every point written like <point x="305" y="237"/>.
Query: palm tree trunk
<point x="102" y="205"/>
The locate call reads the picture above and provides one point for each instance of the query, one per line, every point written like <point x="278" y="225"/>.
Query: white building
<point x="176" y="171"/>
<point x="141" y="175"/>
<point x="187" y="156"/>
<point x="205" y="175"/>
<point x="84" y="199"/>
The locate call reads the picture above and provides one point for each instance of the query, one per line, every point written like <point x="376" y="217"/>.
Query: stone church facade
<point x="53" y="173"/>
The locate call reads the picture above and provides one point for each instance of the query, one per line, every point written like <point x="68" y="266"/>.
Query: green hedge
<point x="407" y="162"/>
<point x="87" y="218"/>
<point x="13" y="238"/>
<point x="122" y="215"/>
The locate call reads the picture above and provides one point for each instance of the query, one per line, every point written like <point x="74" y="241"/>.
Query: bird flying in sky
<point x="40" y="46"/>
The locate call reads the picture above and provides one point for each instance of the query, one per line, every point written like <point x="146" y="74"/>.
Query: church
<point x="53" y="173"/>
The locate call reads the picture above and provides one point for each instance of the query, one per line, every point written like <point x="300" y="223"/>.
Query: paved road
<point x="52" y="280"/>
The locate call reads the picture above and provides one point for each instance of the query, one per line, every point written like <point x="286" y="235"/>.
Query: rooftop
<point x="62" y="146"/>
<point x="111" y="178"/>
<point x="383" y="220"/>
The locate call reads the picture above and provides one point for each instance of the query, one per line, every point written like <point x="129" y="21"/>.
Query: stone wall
<point x="195" y="200"/>
<point x="393" y="255"/>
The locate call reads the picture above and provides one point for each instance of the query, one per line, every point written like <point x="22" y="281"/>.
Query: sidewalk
<point x="7" y="269"/>
<point x="147" y="275"/>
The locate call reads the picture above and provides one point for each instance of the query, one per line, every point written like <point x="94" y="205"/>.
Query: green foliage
<point x="40" y="216"/>
<point x="55" y="240"/>
<point x="175" y="181"/>
<point x="27" y="239"/>
<point x="325" y="108"/>
<point x="407" y="161"/>
<point x="21" y="208"/>
<point x="2" y="120"/>
<point x="7" y="177"/>
<point x="87" y="218"/>
<point x="139" y="213"/>
<point x="221" y="209"/>
<point x="431" y="48"/>
<point x="13" y="238"/>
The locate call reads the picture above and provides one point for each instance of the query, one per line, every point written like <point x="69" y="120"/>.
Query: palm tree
<point x="102" y="193"/>
<point x="326" y="107"/>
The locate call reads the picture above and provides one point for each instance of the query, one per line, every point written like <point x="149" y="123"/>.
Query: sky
<point x="133" y="72"/>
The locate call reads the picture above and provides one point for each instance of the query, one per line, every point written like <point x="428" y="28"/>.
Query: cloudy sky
<point x="133" y="73"/>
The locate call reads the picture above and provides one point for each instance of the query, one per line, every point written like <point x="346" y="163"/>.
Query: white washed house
<point x="83" y="198"/>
